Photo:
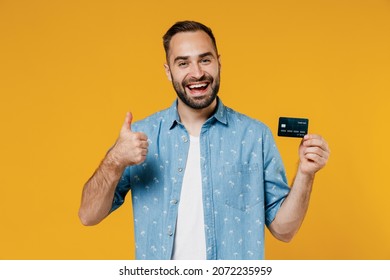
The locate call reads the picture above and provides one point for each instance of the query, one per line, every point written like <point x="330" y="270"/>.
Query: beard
<point x="197" y="102"/>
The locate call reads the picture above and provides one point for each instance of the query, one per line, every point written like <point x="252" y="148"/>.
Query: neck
<point x="193" y="119"/>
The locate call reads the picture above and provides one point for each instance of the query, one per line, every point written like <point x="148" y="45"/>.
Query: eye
<point x="205" y="61"/>
<point x="182" y="64"/>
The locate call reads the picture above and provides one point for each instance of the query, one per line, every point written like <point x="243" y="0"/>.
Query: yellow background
<point x="69" y="70"/>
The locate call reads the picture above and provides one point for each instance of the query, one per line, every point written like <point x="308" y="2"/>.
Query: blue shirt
<point x="243" y="184"/>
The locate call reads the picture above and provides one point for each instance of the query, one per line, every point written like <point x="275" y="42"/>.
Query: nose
<point x="196" y="71"/>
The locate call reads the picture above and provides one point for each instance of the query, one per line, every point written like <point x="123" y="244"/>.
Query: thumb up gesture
<point x="131" y="147"/>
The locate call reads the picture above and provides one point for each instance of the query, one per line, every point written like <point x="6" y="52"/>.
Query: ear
<point x="168" y="72"/>
<point x="219" y="61"/>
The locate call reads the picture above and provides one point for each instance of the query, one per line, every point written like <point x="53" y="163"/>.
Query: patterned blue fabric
<point x="243" y="183"/>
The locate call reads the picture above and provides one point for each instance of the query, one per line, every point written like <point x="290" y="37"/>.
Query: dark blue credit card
<point x="293" y="127"/>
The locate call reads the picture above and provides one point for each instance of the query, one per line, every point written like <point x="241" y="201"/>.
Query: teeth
<point x="197" y="86"/>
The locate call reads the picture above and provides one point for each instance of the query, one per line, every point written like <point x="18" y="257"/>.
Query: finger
<point x="316" y="141"/>
<point x="315" y="158"/>
<point x="313" y="143"/>
<point x="316" y="150"/>
<point x="312" y="136"/>
<point x="140" y="159"/>
<point x="143" y="144"/>
<point x="128" y="120"/>
<point x="141" y="136"/>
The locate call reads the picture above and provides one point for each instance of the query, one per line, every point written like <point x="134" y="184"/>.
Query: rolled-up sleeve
<point x="121" y="190"/>
<point x="275" y="181"/>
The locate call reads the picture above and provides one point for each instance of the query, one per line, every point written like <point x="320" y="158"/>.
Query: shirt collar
<point x="219" y="115"/>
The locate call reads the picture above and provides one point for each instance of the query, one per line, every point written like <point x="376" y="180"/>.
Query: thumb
<point x="128" y="120"/>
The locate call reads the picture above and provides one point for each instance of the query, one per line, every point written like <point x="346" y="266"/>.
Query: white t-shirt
<point x="190" y="240"/>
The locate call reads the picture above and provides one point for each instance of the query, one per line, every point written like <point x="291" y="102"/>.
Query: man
<point x="204" y="179"/>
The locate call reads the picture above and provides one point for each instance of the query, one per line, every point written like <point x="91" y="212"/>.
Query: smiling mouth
<point x="198" y="88"/>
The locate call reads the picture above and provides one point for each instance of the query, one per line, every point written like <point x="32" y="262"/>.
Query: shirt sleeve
<point x="121" y="190"/>
<point x="275" y="181"/>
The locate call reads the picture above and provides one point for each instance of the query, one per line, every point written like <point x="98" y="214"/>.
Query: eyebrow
<point x="186" y="57"/>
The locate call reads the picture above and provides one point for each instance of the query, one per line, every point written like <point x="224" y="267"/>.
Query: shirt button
<point x="180" y="169"/>
<point x="185" y="139"/>
<point x="174" y="201"/>
<point x="170" y="233"/>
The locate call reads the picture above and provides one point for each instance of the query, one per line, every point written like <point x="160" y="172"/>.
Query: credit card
<point x="293" y="127"/>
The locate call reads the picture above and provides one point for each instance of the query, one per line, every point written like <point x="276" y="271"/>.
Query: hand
<point x="131" y="147"/>
<point x="313" y="154"/>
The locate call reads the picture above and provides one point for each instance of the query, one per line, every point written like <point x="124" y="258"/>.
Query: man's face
<point x="193" y="67"/>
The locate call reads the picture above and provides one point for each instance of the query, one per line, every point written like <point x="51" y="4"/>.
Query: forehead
<point x="190" y="44"/>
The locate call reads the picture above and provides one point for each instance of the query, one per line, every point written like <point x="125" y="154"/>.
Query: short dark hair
<point x="186" y="26"/>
